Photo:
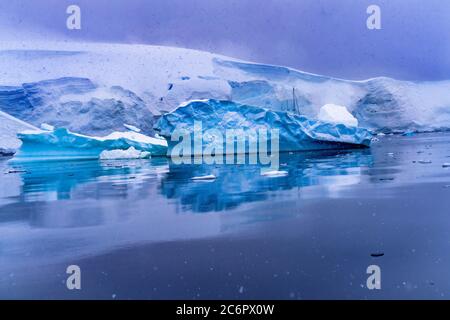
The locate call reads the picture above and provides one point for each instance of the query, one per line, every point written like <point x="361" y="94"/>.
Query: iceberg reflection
<point x="238" y="184"/>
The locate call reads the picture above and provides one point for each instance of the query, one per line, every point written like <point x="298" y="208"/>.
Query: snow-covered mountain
<point x="96" y="88"/>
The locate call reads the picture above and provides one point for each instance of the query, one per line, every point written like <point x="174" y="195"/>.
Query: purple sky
<point x="321" y="36"/>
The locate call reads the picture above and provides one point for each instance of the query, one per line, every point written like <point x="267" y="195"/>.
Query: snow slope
<point x="9" y="127"/>
<point x="96" y="88"/>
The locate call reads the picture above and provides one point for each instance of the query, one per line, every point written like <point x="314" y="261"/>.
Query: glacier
<point x="54" y="81"/>
<point x="93" y="88"/>
<point x="61" y="144"/>
<point x="296" y="132"/>
<point x="76" y="104"/>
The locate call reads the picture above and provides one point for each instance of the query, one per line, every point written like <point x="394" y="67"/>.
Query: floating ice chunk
<point x="130" y="153"/>
<point x="274" y="173"/>
<point x="63" y="144"/>
<point x="337" y="114"/>
<point x="132" y="128"/>
<point x="424" y="161"/>
<point x="446" y="165"/>
<point x="204" y="178"/>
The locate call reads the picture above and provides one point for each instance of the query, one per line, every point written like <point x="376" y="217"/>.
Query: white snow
<point x="161" y="78"/>
<point x="131" y="153"/>
<point x="207" y="177"/>
<point x="135" y="136"/>
<point x="337" y="114"/>
<point x="274" y="173"/>
<point x="9" y="127"/>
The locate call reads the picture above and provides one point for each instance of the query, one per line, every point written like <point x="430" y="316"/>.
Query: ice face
<point x="296" y="133"/>
<point x="62" y="144"/>
<point x="76" y="104"/>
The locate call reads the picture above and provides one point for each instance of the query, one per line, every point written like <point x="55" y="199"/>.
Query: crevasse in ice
<point x="296" y="132"/>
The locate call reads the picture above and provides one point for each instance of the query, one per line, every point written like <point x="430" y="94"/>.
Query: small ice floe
<point x="274" y="173"/>
<point x="446" y="165"/>
<point x="424" y="161"/>
<point x="390" y="154"/>
<point x="130" y="153"/>
<point x="209" y="177"/>
<point x="381" y="134"/>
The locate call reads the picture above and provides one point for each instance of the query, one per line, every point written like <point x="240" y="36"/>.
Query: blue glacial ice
<point x="61" y="144"/>
<point x="76" y="104"/>
<point x="296" y="132"/>
<point x="93" y="89"/>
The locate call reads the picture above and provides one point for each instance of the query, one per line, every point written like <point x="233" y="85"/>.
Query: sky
<point x="328" y="37"/>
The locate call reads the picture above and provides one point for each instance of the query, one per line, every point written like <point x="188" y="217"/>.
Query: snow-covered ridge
<point x="9" y="127"/>
<point x="95" y="88"/>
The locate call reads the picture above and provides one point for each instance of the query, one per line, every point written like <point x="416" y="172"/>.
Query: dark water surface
<point x="143" y="229"/>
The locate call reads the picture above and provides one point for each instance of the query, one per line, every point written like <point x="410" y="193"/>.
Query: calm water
<point x="144" y="229"/>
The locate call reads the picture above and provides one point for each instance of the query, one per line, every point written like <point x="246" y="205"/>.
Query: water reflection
<point x="238" y="184"/>
<point x="333" y="209"/>
<point x="145" y="179"/>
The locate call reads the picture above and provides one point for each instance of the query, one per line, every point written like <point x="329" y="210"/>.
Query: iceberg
<point x="296" y="132"/>
<point x="61" y="144"/>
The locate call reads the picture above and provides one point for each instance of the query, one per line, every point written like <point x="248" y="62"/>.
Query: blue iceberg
<point x="296" y="132"/>
<point x="61" y="144"/>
